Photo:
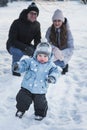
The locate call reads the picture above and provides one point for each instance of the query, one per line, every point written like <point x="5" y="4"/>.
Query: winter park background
<point x="67" y="99"/>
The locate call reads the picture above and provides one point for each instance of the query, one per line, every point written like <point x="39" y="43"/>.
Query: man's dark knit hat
<point x="33" y="7"/>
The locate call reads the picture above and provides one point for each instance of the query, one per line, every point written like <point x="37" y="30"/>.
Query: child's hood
<point x="44" y="48"/>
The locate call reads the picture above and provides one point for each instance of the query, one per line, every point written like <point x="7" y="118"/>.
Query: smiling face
<point x="42" y="58"/>
<point x="57" y="23"/>
<point x="32" y="16"/>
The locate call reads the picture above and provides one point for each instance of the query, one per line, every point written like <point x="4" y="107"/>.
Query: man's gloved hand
<point x="51" y="79"/>
<point x="15" y="67"/>
<point x="29" y="50"/>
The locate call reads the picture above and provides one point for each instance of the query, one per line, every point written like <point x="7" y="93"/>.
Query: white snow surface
<point x="67" y="99"/>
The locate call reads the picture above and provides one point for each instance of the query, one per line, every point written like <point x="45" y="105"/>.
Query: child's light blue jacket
<point x="36" y="74"/>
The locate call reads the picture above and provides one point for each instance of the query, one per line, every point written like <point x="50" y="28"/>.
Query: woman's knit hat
<point x="44" y="48"/>
<point x="33" y="7"/>
<point x="58" y="15"/>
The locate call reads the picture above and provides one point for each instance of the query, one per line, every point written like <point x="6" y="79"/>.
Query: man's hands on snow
<point x="29" y="50"/>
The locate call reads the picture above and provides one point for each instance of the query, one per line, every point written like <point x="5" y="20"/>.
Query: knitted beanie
<point x="44" y="48"/>
<point x="33" y="7"/>
<point x="58" y="15"/>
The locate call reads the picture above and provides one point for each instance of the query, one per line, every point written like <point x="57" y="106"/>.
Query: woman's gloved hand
<point x="57" y="54"/>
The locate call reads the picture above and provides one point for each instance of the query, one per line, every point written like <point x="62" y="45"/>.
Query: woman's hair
<point x="63" y="35"/>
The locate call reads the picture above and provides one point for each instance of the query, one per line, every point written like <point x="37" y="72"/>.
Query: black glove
<point x="29" y="50"/>
<point x="15" y="66"/>
<point x="51" y="79"/>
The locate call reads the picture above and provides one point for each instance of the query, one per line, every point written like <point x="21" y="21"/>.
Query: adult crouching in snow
<point x="22" y="32"/>
<point x="61" y="39"/>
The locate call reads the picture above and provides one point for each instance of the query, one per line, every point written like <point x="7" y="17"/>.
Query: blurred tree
<point x="84" y="1"/>
<point x="3" y="3"/>
<point x="19" y="0"/>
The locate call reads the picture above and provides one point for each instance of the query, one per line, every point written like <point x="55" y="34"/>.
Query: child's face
<point x="42" y="58"/>
<point x="57" y="23"/>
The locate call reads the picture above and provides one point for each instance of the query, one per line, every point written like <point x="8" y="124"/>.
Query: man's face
<point x="32" y="16"/>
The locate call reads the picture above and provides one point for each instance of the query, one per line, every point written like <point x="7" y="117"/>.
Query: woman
<point x="22" y="32"/>
<point x="61" y="39"/>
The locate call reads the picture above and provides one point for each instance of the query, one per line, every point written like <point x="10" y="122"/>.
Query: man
<point x="22" y="32"/>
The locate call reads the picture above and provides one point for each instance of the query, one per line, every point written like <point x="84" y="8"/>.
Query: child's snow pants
<point x="24" y="99"/>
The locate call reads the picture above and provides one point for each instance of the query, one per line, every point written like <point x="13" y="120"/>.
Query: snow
<point x="67" y="99"/>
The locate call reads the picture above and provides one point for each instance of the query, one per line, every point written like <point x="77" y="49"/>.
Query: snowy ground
<point x="68" y="98"/>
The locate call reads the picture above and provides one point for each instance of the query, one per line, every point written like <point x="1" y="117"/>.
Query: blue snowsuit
<point x="34" y="85"/>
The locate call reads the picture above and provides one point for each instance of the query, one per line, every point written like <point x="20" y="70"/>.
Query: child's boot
<point x="39" y="118"/>
<point x="19" y="114"/>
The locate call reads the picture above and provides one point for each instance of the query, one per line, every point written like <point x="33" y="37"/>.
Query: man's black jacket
<point x="22" y="32"/>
